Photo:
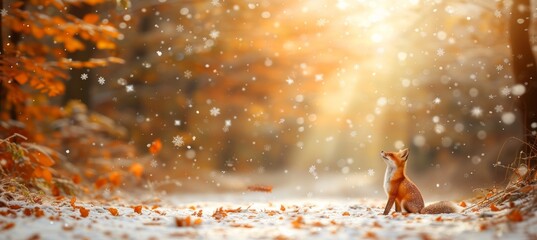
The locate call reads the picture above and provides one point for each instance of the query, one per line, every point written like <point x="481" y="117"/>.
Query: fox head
<point x="395" y="159"/>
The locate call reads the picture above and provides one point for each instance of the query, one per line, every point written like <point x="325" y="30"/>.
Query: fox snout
<point x="383" y="154"/>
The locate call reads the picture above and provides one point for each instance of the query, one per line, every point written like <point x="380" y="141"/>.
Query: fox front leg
<point x="389" y="205"/>
<point x="397" y="206"/>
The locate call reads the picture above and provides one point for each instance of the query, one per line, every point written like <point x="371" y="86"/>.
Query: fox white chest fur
<point x="387" y="178"/>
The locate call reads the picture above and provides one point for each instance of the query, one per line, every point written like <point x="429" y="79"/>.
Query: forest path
<point x="245" y="216"/>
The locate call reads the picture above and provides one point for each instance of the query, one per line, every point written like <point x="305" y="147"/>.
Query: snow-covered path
<point x="240" y="216"/>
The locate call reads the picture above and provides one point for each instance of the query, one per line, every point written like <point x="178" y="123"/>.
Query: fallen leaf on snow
<point x="260" y="188"/>
<point x="515" y="216"/>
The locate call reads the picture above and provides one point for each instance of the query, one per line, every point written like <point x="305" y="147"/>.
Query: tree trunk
<point x="525" y="72"/>
<point x="77" y="88"/>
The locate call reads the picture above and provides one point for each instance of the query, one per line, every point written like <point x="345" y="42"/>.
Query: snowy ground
<point x="244" y="216"/>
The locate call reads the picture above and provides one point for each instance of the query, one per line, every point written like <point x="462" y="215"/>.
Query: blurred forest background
<point x="223" y="92"/>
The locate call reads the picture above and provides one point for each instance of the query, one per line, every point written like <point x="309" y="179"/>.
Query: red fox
<point x="403" y="192"/>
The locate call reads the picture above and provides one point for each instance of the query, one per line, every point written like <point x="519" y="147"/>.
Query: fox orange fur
<point x="403" y="192"/>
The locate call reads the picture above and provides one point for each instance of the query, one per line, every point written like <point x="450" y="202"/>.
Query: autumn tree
<point x="36" y="62"/>
<point x="525" y="72"/>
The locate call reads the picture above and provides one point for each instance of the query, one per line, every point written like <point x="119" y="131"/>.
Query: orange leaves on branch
<point x="21" y="78"/>
<point x="155" y="146"/>
<point x="91" y="18"/>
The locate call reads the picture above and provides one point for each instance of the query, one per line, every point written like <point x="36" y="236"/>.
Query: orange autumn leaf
<point x="42" y="159"/>
<point x="494" y="208"/>
<point x="155" y="146"/>
<point x="137" y="209"/>
<point x="346" y="214"/>
<point x="515" y="216"/>
<point x="219" y="213"/>
<point x="103" y="44"/>
<point x="282" y="208"/>
<point x="113" y="211"/>
<point x="297" y="223"/>
<point x="260" y="188"/>
<point x="83" y="212"/>
<point x="136" y="169"/>
<point x="115" y="178"/>
<point x="21" y="78"/>
<point x="38" y="212"/>
<point x="47" y="175"/>
<point x="462" y="204"/>
<point x="72" y="202"/>
<point x="100" y="182"/>
<point x="91" y="18"/>
<point x="8" y="226"/>
<point x="73" y="45"/>
<point x="76" y="179"/>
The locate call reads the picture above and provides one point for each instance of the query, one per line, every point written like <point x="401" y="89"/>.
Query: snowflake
<point x="319" y="77"/>
<point x="154" y="163"/>
<point x="177" y="122"/>
<point x="227" y="123"/>
<point x="437" y="100"/>
<point x="84" y="76"/>
<point x="370" y="172"/>
<point x="440" y="52"/>
<point x="178" y="141"/>
<point x="491" y="96"/>
<point x="313" y="171"/>
<point x="180" y="28"/>
<point x="188" y="49"/>
<point x="208" y="43"/>
<point x="214" y="34"/>
<point x="216" y="3"/>
<point x="290" y="80"/>
<point x="498" y="108"/>
<point x="477" y="112"/>
<point x="129" y="88"/>
<point x="188" y="74"/>
<point x="321" y="22"/>
<point x="101" y="80"/>
<point x="3" y="12"/>
<point x="499" y="67"/>
<point x="215" y="111"/>
<point x="505" y="91"/>
<point x="498" y="13"/>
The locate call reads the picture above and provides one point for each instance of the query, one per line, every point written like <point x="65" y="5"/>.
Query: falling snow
<point x="178" y="141"/>
<point x="440" y="52"/>
<point x="477" y="112"/>
<point x="101" y="80"/>
<point x="188" y="74"/>
<point x="215" y="111"/>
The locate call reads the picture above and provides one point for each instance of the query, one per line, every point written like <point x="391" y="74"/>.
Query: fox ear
<point x="404" y="154"/>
